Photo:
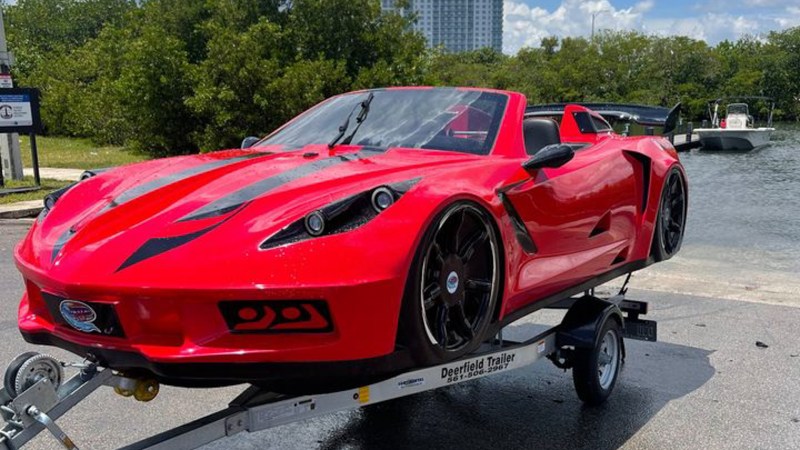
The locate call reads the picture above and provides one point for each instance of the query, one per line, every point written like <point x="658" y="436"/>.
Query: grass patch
<point x="48" y="186"/>
<point x="76" y="153"/>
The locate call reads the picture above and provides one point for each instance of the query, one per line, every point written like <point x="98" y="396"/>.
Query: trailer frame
<point x="42" y="403"/>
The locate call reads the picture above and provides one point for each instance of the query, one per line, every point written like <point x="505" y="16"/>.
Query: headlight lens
<point x="382" y="198"/>
<point x="315" y="223"/>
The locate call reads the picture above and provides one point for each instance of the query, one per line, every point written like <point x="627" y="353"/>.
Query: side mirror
<point x="249" y="141"/>
<point x="554" y="155"/>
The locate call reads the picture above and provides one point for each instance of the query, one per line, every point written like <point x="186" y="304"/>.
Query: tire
<point x="671" y="219"/>
<point x="453" y="286"/>
<point x="595" y="370"/>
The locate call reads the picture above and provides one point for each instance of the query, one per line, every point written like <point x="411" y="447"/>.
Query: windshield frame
<point x="493" y="132"/>
<point x="738" y="108"/>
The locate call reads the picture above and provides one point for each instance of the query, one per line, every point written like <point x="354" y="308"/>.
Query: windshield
<point x="440" y="119"/>
<point x="737" y="108"/>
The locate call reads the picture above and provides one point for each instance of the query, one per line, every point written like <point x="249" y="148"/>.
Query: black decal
<point x="157" y="246"/>
<point x="146" y="188"/>
<point x="61" y="242"/>
<point x="248" y="193"/>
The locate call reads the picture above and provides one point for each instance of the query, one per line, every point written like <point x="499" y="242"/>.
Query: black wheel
<point x="9" y="378"/>
<point x="595" y="370"/>
<point x="671" y="220"/>
<point x="453" y="286"/>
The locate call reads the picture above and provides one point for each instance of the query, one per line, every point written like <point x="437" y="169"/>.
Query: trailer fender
<point x="581" y="326"/>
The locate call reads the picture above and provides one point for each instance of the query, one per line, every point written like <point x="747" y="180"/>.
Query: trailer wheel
<point x="595" y="370"/>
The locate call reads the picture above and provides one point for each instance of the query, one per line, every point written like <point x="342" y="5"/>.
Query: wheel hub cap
<point x="452" y="282"/>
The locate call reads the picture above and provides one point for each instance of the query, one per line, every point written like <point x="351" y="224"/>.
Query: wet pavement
<point x="704" y="385"/>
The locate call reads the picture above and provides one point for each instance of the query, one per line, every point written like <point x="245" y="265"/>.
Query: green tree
<point x="40" y="29"/>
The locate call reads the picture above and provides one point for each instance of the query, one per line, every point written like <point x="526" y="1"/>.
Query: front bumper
<point x="288" y="377"/>
<point x="184" y="337"/>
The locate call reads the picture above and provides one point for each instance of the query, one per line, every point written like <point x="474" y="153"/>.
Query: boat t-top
<point x="736" y="131"/>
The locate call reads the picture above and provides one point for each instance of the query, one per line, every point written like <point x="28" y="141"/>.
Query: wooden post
<point x="689" y="131"/>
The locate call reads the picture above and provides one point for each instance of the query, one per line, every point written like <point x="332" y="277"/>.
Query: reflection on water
<point x="749" y="201"/>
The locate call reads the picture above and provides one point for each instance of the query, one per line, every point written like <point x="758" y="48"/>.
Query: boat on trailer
<point x="736" y="132"/>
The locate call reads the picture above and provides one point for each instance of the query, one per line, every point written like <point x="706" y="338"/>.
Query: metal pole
<point x="35" y="160"/>
<point x="10" y="155"/>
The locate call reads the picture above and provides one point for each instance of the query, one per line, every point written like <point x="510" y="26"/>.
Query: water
<point x="746" y="206"/>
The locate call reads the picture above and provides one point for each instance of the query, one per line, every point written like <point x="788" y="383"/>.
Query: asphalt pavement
<point x="705" y="384"/>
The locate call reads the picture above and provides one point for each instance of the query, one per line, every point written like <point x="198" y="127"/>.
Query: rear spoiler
<point x="651" y="116"/>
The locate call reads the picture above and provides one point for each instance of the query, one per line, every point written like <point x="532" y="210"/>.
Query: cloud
<point x="709" y="27"/>
<point x="791" y="17"/>
<point x="525" y="26"/>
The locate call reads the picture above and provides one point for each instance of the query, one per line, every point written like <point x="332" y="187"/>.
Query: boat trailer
<point x="588" y="340"/>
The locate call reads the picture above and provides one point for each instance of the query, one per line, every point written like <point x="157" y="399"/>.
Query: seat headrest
<point x="539" y="132"/>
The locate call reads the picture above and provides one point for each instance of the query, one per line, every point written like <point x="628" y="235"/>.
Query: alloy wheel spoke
<point x="460" y="322"/>
<point x="438" y="253"/>
<point x="430" y="294"/>
<point x="673" y="186"/>
<point x="469" y="246"/>
<point x="674" y="225"/>
<point x="456" y="241"/>
<point x="474" y="284"/>
<point x="441" y="325"/>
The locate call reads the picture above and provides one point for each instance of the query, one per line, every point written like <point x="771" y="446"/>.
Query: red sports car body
<point x="379" y="230"/>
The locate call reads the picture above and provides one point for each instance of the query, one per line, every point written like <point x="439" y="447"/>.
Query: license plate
<point x="84" y="316"/>
<point x="642" y="330"/>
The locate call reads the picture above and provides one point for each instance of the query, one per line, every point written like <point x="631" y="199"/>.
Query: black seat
<point x="539" y="133"/>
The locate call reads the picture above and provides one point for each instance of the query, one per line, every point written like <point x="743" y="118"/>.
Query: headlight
<point x="382" y="198"/>
<point x="91" y="173"/>
<point x="341" y="216"/>
<point x="51" y="198"/>
<point x="315" y="223"/>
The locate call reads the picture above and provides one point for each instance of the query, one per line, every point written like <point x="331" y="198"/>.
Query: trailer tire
<point x="595" y="370"/>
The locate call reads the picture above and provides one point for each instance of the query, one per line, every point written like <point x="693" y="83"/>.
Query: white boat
<point x="736" y="131"/>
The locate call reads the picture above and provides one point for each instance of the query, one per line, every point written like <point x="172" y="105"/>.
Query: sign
<point x="19" y="110"/>
<point x="15" y="110"/>
<point x="6" y="81"/>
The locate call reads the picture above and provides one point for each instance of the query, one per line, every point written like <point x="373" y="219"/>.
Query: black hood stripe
<point x="232" y="203"/>
<point x="60" y="243"/>
<point x="249" y="193"/>
<point x="151" y="186"/>
<point x="146" y="188"/>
